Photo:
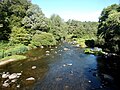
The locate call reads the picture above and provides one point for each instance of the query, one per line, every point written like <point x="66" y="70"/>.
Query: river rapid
<point x="63" y="67"/>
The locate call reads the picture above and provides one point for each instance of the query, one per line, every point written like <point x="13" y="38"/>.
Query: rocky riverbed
<point x="63" y="67"/>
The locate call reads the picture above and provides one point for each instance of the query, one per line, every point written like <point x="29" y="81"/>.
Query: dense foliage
<point x="57" y="27"/>
<point x="45" y="39"/>
<point x="18" y="49"/>
<point x="82" y="29"/>
<point x="109" y="28"/>
<point x="22" y="22"/>
<point x="19" y="36"/>
<point x="11" y="14"/>
<point x="35" y="19"/>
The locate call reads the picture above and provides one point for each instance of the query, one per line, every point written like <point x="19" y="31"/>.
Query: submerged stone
<point x="5" y="84"/>
<point x="55" y="52"/>
<point x="51" y="49"/>
<point x="42" y="46"/>
<point x="58" y="79"/>
<point x="64" y="65"/>
<point x="19" y="74"/>
<point x="89" y="81"/>
<point x="47" y="54"/>
<point x="47" y="51"/>
<point x="30" y="79"/>
<point x="13" y="76"/>
<point x="70" y="64"/>
<point x="77" y="45"/>
<point x="34" y="67"/>
<point x="5" y="75"/>
<point x="6" y="81"/>
<point x="107" y="77"/>
<point x="66" y="49"/>
<point x="14" y="80"/>
<point x="18" y="86"/>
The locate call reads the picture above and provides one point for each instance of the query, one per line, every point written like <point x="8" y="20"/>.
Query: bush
<point x="18" y="49"/>
<point x="44" y="39"/>
<point x="100" y="41"/>
<point x="81" y="42"/>
<point x="95" y="51"/>
<point x="16" y="57"/>
<point x="1" y="54"/>
<point x="19" y="36"/>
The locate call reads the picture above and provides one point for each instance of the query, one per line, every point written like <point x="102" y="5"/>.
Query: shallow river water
<point x="64" y="67"/>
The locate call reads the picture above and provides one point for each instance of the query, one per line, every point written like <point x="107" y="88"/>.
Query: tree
<point x="35" y="19"/>
<point x="19" y="36"/>
<point x="57" y="27"/>
<point x="80" y="29"/>
<point x="104" y="15"/>
<point x="43" y="38"/>
<point x="12" y="12"/>
<point x="109" y="28"/>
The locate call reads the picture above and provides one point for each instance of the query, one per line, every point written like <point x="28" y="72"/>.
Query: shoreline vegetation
<point x="23" y="26"/>
<point x="13" y="58"/>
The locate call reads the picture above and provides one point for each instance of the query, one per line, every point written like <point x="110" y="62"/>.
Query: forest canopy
<point x="22" y="22"/>
<point x="109" y="28"/>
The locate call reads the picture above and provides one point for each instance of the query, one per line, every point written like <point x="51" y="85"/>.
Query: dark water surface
<point x="64" y="70"/>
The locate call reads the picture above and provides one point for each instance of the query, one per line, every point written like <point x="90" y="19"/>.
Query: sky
<point x="81" y="10"/>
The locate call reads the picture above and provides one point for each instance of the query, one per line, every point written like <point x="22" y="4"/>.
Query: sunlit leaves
<point x="109" y="27"/>
<point x="35" y="19"/>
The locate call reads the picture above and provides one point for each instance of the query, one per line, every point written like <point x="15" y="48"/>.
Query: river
<point x="63" y="67"/>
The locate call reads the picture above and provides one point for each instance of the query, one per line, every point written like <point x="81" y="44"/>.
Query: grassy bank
<point x="7" y="51"/>
<point x="15" y="57"/>
<point x="9" y="59"/>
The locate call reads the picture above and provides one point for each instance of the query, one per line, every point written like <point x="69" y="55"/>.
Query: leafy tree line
<point x="11" y="14"/>
<point x="109" y="29"/>
<point x="22" y="22"/>
<point x="80" y="29"/>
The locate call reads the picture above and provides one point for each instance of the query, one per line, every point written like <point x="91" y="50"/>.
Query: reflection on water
<point x="109" y="72"/>
<point x="63" y="67"/>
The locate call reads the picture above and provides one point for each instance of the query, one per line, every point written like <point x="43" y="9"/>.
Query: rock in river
<point x="106" y="76"/>
<point x="5" y="75"/>
<point x="14" y="80"/>
<point x="19" y="74"/>
<point x="42" y="46"/>
<point x="77" y="45"/>
<point x="47" y="51"/>
<point x="65" y="49"/>
<point x="13" y="76"/>
<point x="5" y="84"/>
<point x="33" y="67"/>
<point x="30" y="79"/>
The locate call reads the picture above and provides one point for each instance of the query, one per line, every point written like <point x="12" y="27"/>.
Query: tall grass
<point x="7" y="50"/>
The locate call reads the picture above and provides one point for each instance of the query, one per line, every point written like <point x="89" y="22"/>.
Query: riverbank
<point x="64" y="65"/>
<point x="99" y="52"/>
<point x="11" y="59"/>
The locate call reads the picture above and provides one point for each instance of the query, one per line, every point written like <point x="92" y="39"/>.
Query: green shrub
<point x="16" y="57"/>
<point x="1" y="54"/>
<point x="88" y="51"/>
<point x="100" y="40"/>
<point x="44" y="39"/>
<point x="4" y="44"/>
<point x="19" y="36"/>
<point x="18" y="49"/>
<point x="81" y="42"/>
<point x="95" y="51"/>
